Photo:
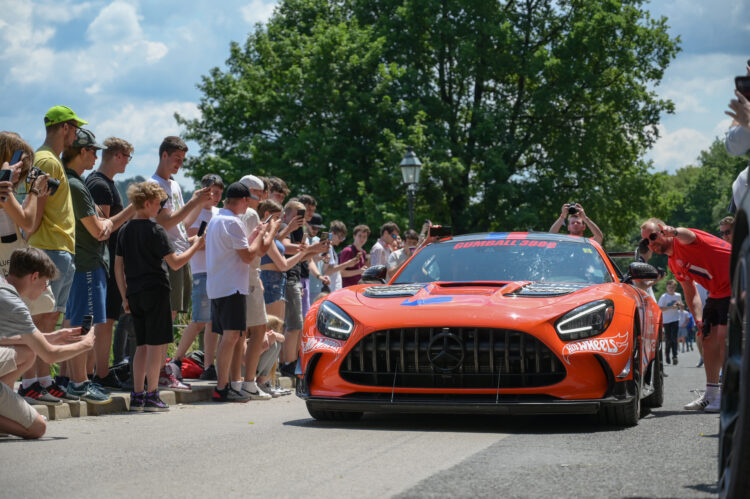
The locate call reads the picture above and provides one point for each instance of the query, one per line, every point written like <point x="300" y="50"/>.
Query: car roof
<point x="536" y="236"/>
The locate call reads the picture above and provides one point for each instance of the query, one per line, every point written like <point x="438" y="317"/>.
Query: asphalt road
<point x="274" y="449"/>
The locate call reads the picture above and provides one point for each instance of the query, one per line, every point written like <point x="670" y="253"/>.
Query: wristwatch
<point x="34" y="190"/>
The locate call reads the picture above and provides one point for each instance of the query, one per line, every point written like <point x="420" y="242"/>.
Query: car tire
<point x="656" y="399"/>
<point x="629" y="414"/>
<point x="327" y="415"/>
<point x="734" y="428"/>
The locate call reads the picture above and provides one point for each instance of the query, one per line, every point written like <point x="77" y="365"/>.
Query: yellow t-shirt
<point x="58" y="229"/>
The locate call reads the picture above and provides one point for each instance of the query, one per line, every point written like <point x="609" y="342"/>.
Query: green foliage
<point x="513" y="107"/>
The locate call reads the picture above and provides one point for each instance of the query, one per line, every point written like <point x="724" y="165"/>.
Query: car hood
<point x="481" y="304"/>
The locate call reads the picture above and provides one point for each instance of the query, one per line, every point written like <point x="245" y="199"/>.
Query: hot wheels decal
<point x="604" y="346"/>
<point x="328" y="344"/>
<point x="426" y="301"/>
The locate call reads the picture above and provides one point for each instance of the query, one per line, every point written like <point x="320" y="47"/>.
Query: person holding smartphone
<point x="737" y="142"/>
<point x="399" y="257"/>
<point x="351" y="275"/>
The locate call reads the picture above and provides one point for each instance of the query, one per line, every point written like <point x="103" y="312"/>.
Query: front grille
<point x="471" y="358"/>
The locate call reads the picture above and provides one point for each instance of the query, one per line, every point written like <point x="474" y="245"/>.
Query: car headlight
<point x="334" y="322"/>
<point x="586" y="321"/>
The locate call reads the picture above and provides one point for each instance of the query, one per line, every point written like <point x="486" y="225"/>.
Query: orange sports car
<point x="504" y="323"/>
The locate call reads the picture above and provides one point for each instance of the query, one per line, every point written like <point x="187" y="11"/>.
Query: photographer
<point x="737" y="142"/>
<point x="21" y="341"/>
<point x="577" y="222"/>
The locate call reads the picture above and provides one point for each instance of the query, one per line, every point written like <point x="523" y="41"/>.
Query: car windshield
<point x="507" y="260"/>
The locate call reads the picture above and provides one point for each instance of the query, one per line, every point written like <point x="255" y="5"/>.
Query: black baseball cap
<point x="236" y="190"/>
<point x="317" y="221"/>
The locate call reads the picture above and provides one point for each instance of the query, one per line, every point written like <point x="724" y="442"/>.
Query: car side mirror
<point x="374" y="275"/>
<point x="639" y="271"/>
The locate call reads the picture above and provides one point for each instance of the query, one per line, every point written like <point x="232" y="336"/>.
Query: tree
<point x="514" y="108"/>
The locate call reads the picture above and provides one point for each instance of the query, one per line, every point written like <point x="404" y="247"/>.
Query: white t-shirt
<point x="684" y="318"/>
<point x="198" y="262"/>
<point x="177" y="234"/>
<point x="226" y="273"/>
<point x="251" y="220"/>
<point x="333" y="259"/>
<point x="379" y="253"/>
<point x="673" y="314"/>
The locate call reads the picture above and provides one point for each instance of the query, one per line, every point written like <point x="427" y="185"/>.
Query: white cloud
<point x="679" y="148"/>
<point x="116" y="45"/>
<point x="257" y="11"/>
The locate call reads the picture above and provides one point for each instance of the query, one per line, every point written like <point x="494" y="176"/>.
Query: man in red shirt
<point x="698" y="257"/>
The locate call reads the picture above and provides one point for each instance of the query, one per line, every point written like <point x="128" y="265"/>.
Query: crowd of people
<point x="247" y="271"/>
<point x="75" y="251"/>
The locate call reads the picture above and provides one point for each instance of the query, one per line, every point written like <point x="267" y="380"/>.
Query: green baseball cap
<point x="61" y="114"/>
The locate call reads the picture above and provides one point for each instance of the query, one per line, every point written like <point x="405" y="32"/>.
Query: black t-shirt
<point x="143" y="244"/>
<point x="104" y="192"/>
<point x="293" y="275"/>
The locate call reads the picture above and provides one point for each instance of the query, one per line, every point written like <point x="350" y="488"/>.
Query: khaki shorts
<point x="255" y="304"/>
<point x="42" y="305"/>
<point x="7" y="360"/>
<point x="181" y="282"/>
<point x="15" y="408"/>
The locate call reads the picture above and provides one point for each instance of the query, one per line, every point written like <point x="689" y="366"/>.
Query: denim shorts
<point x="201" y="303"/>
<point x="66" y="269"/>
<point x="88" y="296"/>
<point x="274" y="285"/>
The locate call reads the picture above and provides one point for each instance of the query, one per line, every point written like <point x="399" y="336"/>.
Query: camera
<point x="52" y="183"/>
<point x="572" y="210"/>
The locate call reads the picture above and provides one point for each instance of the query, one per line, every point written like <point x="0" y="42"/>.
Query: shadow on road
<point x="18" y="440"/>
<point x="552" y="424"/>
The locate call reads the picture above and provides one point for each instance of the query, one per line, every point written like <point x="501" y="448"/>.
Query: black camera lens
<point x="52" y="185"/>
<point x="572" y="210"/>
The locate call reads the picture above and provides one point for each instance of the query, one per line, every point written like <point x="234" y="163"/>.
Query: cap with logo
<point x="237" y="190"/>
<point x="85" y="138"/>
<point x="61" y="114"/>
<point x="252" y="182"/>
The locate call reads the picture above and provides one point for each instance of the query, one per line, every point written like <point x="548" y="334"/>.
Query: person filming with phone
<point x="737" y="140"/>
<point x="577" y="222"/>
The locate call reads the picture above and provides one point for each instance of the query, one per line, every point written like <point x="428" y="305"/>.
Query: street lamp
<point x="410" y="166"/>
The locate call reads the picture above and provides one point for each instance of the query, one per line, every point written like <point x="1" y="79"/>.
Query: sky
<point x="127" y="66"/>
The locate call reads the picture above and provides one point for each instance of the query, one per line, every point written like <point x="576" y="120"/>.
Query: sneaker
<point x="209" y="374"/>
<point x="61" y="393"/>
<point x="282" y="391"/>
<point x="89" y="392"/>
<point x="700" y="363"/>
<point x="698" y="404"/>
<point x="62" y="381"/>
<point x="269" y="389"/>
<point x="674" y="360"/>
<point x="176" y="366"/>
<point x="229" y="395"/>
<point x="137" y="401"/>
<point x="257" y="393"/>
<point x="668" y="362"/>
<point x="153" y="403"/>
<point x="109" y="381"/>
<point x="37" y="394"/>
<point x="168" y="381"/>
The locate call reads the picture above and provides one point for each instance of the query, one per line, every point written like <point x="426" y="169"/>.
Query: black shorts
<point x="152" y="316"/>
<point x="114" y="300"/>
<point x="715" y="313"/>
<point x="229" y="313"/>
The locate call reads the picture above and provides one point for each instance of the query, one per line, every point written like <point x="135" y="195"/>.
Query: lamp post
<point x="410" y="166"/>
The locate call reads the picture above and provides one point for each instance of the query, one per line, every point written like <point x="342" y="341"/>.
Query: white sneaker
<point x="698" y="404"/>
<point x="266" y="387"/>
<point x="251" y="389"/>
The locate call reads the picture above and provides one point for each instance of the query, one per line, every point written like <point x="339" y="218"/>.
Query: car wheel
<point x="326" y="415"/>
<point x="626" y="414"/>
<point x="656" y="399"/>
<point x="734" y="429"/>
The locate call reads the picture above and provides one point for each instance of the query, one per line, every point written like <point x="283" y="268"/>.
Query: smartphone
<point x="301" y="213"/>
<point x="441" y="231"/>
<point x="163" y="203"/>
<point x="88" y="322"/>
<point x="743" y="85"/>
<point x="5" y="175"/>
<point x="202" y="228"/>
<point x="269" y="218"/>
<point x="324" y="235"/>
<point x="16" y="157"/>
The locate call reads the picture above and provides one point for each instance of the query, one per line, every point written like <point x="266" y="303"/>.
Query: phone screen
<point x="202" y="228"/>
<point x="5" y="175"/>
<point x="16" y="157"/>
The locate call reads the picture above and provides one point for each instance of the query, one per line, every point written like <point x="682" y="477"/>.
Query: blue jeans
<point x="66" y="271"/>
